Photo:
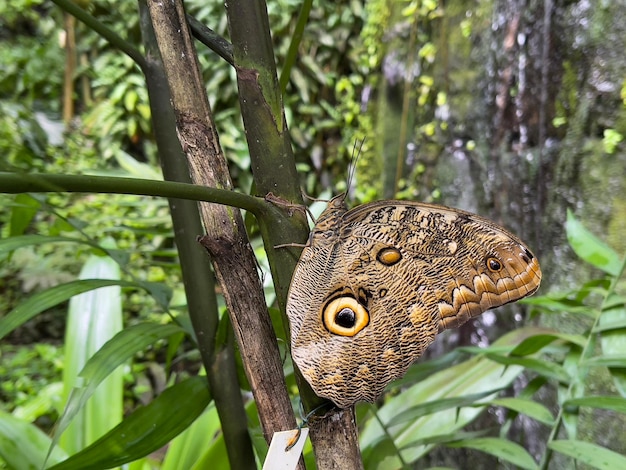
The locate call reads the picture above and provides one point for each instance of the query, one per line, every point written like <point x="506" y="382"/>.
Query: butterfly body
<point x="375" y="285"/>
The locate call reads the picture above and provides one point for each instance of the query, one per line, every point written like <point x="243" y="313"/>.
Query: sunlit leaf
<point x="608" y="361"/>
<point x="200" y="445"/>
<point x="476" y="375"/>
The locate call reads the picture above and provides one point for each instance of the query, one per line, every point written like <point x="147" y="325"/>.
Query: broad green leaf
<point x="590" y="248"/>
<point x="590" y="454"/>
<point x="121" y="348"/>
<point x="501" y="448"/>
<point x="147" y="429"/>
<point x="420" y="370"/>
<point x="607" y="403"/>
<point x="526" y="407"/>
<point x="23" y="446"/>
<point x="610" y="326"/>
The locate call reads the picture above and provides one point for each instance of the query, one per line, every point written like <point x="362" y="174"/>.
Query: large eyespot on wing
<point x="508" y="273"/>
<point x="344" y="316"/>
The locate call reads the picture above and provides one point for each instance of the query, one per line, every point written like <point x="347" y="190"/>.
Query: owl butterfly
<point x="375" y="285"/>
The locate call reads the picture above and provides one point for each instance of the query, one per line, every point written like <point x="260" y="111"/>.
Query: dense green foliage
<point x="567" y="383"/>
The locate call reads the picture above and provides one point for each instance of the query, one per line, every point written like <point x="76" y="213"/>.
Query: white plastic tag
<point x="278" y="457"/>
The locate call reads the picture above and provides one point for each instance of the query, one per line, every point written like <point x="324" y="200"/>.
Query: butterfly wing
<point x="378" y="282"/>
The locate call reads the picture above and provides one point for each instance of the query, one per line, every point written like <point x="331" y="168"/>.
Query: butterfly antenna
<point x="356" y="153"/>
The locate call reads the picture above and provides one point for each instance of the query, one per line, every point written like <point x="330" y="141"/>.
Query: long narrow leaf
<point x="423" y="409"/>
<point x="44" y="300"/>
<point x="535" y="343"/>
<point x="476" y="375"/>
<point x="13" y="243"/>
<point x="547" y="369"/>
<point x="590" y="454"/>
<point x="149" y="428"/>
<point x="501" y="448"/>
<point x="23" y="446"/>
<point x="607" y="403"/>
<point x="612" y="323"/>
<point x="527" y="407"/>
<point x="114" y="353"/>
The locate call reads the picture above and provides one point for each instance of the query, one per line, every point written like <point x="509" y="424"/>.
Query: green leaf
<point x="537" y="342"/>
<point x="526" y="407"/>
<point x="557" y="303"/>
<point x="590" y="454"/>
<point x="612" y="323"/>
<point x="22" y="213"/>
<point x="423" y="409"/>
<point x="44" y="300"/>
<point x="23" y="446"/>
<point x="447" y="438"/>
<point x="476" y="375"/>
<point x="200" y="446"/>
<point x="590" y="248"/>
<point x="501" y="448"/>
<point x="114" y="353"/>
<point x="12" y="243"/>
<point x="147" y="429"/>
<point x="547" y="369"/>
<point x="94" y="317"/>
<point x="607" y="403"/>
<point x="607" y="361"/>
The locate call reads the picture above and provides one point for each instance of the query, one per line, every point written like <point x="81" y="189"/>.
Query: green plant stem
<point x="14" y="183"/>
<point x="296" y="39"/>
<point x="211" y="39"/>
<point x="584" y="355"/>
<point x="73" y="9"/>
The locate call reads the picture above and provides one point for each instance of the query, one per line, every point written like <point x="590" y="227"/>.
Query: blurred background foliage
<point x="419" y="87"/>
